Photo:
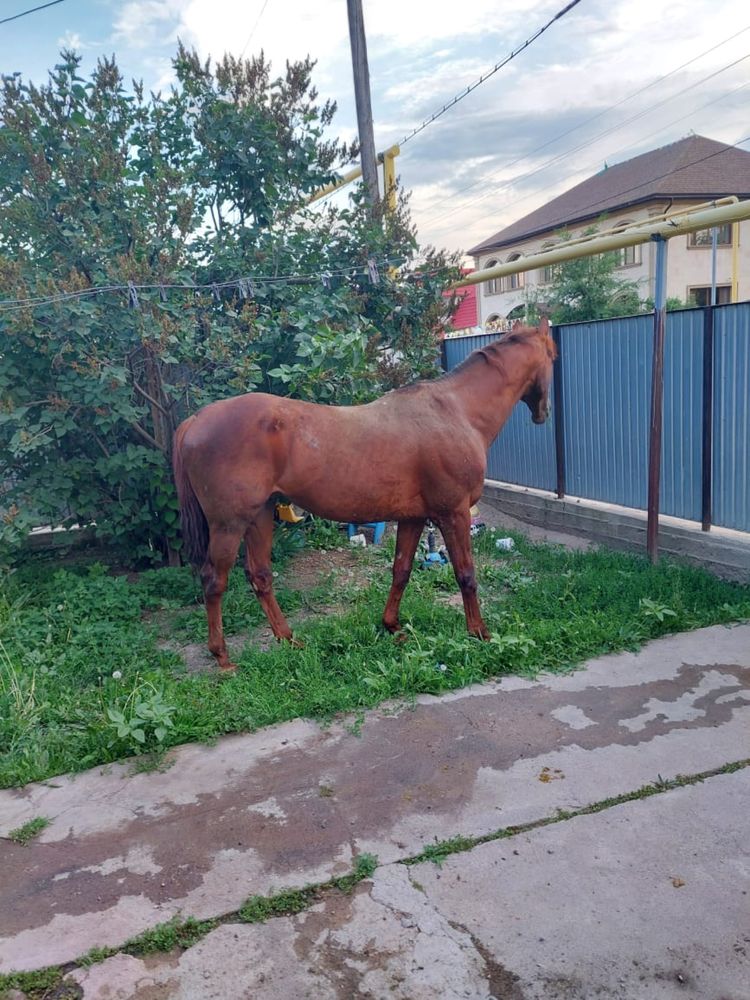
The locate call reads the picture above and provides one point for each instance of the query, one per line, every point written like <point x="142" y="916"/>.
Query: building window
<point x="548" y="274"/>
<point x="700" y="295"/>
<point x="512" y="282"/>
<point x="491" y="287"/>
<point x="629" y="256"/>
<point x="703" y="237"/>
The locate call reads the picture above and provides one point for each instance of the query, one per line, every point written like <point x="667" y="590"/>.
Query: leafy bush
<point x="201" y="186"/>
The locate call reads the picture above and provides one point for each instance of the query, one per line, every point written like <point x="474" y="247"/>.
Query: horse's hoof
<point x="294" y="643"/>
<point x="482" y="633"/>
<point x="227" y="669"/>
<point x="398" y="632"/>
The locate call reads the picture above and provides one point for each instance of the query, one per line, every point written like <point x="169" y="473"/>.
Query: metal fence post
<point x="559" y="414"/>
<point x="657" y="398"/>
<point x="708" y="418"/>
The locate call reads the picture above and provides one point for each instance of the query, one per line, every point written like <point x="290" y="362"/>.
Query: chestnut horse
<point x="415" y="453"/>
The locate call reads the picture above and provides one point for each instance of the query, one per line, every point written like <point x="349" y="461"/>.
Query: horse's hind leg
<point x="258" y="540"/>
<point x="222" y="552"/>
<point x="456" y="529"/>
<point x="407" y="539"/>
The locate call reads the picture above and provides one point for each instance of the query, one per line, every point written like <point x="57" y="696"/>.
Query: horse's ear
<point x="544" y="325"/>
<point x="517" y="324"/>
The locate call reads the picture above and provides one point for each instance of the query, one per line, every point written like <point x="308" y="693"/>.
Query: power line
<point x="599" y="114"/>
<point x="622" y="149"/>
<point x="252" y="30"/>
<point x="667" y="173"/>
<point x="33" y="10"/>
<point x="486" y="76"/>
<point x="676" y="170"/>
<point x="589" y="142"/>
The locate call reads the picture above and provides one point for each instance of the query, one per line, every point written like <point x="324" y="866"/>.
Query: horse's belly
<point x="354" y="501"/>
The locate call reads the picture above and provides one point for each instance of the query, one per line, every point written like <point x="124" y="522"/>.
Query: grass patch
<point x="84" y="680"/>
<point x="23" y="834"/>
<point x="35" y="985"/>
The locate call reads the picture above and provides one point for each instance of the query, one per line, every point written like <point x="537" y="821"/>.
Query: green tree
<point x="588" y="288"/>
<point x="100" y="187"/>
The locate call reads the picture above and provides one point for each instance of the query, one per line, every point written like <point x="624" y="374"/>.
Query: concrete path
<point x="642" y="898"/>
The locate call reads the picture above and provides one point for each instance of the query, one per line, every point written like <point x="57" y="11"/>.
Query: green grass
<point x="83" y="681"/>
<point x="23" y="834"/>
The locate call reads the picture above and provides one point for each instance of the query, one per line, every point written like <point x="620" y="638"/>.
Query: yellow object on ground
<point x="287" y="513"/>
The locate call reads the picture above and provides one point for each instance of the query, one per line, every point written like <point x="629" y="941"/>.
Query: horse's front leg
<point x="222" y="552"/>
<point x="407" y="539"/>
<point x="456" y="529"/>
<point x="258" y="542"/>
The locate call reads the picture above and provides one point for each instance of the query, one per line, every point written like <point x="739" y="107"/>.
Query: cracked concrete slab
<point x="650" y="899"/>
<point x="293" y="804"/>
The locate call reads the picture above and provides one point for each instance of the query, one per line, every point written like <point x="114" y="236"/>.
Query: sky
<point x="604" y="83"/>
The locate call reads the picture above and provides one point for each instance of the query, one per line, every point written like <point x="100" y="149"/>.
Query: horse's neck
<point x="487" y="395"/>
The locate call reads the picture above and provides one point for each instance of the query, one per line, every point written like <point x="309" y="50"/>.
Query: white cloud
<point x="71" y="40"/>
<point x="143" y="24"/>
<point x="423" y="52"/>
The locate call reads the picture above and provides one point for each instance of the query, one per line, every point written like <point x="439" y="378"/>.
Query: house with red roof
<point x="465" y="317"/>
<point x="681" y="175"/>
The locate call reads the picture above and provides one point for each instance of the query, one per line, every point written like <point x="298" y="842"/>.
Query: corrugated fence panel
<point x="606" y="368"/>
<point x="523" y="452"/>
<point x="680" y="493"/>
<point x="607" y="392"/>
<point x="731" y="414"/>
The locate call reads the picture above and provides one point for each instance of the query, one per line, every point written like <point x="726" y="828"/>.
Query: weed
<point x="289" y="901"/>
<point x="144" y="718"/>
<point x="23" y="834"/>
<point x="260" y="908"/>
<point x="34" y="985"/>
<point x="364" y="867"/>
<point x="322" y="534"/>
<point x="175" y="933"/>
<point x="653" y="609"/>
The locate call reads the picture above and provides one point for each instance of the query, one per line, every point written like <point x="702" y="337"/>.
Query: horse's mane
<point x="492" y="353"/>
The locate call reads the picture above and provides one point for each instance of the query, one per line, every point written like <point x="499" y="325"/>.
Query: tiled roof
<point x="465" y="315"/>
<point x="695" y="167"/>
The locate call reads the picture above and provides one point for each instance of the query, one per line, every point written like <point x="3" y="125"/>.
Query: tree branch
<point x="150" y="398"/>
<point x="147" y="437"/>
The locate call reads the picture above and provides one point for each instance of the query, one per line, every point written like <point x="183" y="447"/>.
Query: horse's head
<point x="536" y="396"/>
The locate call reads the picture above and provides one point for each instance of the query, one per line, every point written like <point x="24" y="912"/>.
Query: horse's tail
<point x="192" y="519"/>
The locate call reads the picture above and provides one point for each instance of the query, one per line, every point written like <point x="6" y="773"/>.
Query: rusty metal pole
<point x="559" y="415"/>
<point x="657" y="398"/>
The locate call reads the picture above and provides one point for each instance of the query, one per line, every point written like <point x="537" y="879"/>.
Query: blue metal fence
<point x="605" y="377"/>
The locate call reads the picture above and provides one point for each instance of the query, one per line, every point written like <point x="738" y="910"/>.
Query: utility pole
<point x="362" y="96"/>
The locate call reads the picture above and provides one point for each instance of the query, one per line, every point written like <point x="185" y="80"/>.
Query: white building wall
<point x="687" y="267"/>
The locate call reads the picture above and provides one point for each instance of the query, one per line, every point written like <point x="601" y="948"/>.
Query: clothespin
<point x="326" y="279"/>
<point x="132" y="295"/>
<point x="215" y="292"/>
<point x="162" y="293"/>
<point x="372" y="268"/>
<point x="242" y="288"/>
